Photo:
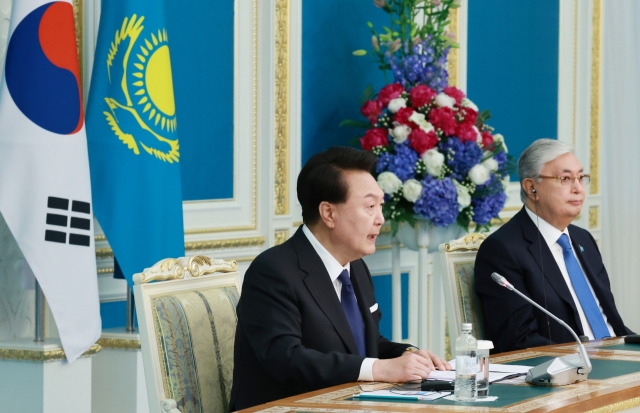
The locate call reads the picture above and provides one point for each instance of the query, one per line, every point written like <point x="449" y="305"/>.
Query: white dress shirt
<point x="551" y="235"/>
<point x="335" y="269"/>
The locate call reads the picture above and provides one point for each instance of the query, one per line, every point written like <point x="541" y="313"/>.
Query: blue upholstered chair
<point x="187" y="319"/>
<point x="456" y="261"/>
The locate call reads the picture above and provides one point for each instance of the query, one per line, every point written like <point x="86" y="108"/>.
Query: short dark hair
<point x="322" y="178"/>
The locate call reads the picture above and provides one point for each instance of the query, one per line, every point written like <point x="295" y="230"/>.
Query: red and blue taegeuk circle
<point x="41" y="69"/>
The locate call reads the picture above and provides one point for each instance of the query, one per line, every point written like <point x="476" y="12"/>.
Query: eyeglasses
<point x="569" y="181"/>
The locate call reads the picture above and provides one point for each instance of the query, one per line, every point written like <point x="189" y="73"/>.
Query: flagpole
<point x="40" y="306"/>
<point x="130" y="311"/>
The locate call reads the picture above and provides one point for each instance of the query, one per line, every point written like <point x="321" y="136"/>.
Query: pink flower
<point x="403" y="115"/>
<point x="421" y="95"/>
<point x="444" y="119"/>
<point x="422" y="141"/>
<point x="390" y="92"/>
<point x="374" y="137"/>
<point x="487" y="138"/>
<point x="371" y="110"/>
<point x="466" y="132"/>
<point x="455" y="93"/>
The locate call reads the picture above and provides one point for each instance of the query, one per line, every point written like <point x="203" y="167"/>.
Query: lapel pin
<point x="581" y="249"/>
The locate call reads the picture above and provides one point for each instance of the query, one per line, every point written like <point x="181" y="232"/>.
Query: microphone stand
<point x="561" y="370"/>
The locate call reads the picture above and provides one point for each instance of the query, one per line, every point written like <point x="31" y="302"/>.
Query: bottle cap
<point x="466" y="327"/>
<point x="485" y="344"/>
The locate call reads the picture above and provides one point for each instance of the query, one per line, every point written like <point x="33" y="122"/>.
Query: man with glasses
<point x="555" y="263"/>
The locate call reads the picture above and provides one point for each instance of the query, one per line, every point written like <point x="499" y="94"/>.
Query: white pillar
<point x="36" y="378"/>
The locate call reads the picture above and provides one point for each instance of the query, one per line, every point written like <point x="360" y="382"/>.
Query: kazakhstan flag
<point x="134" y="154"/>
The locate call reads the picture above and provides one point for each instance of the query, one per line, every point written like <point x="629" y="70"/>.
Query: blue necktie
<point x="587" y="301"/>
<point x="351" y="310"/>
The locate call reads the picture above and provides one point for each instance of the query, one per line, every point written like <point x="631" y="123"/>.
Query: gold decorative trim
<point x="98" y="238"/>
<point x="575" y="72"/>
<point x="103" y="253"/>
<point x="78" y="17"/>
<point x="164" y="274"/>
<point x="594" y="216"/>
<point x="120" y="343"/>
<point x="282" y="108"/>
<point x="215" y="266"/>
<point x="43" y="356"/>
<point x="470" y="242"/>
<point x="280" y="236"/>
<point x="105" y="270"/>
<point x="596" y="49"/>
<point x="297" y="224"/>
<point x="245" y="259"/>
<point x="616" y="407"/>
<point x="454" y="54"/>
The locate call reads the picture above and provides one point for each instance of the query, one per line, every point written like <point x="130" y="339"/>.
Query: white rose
<point x="389" y="182"/>
<point x="443" y="100"/>
<point x="498" y="138"/>
<point x="464" y="197"/>
<point x="412" y="190"/>
<point x="468" y="104"/>
<point x="420" y="120"/>
<point x="479" y="174"/>
<point x="396" y="104"/>
<point x="434" y="161"/>
<point x="400" y="133"/>
<point x="491" y="164"/>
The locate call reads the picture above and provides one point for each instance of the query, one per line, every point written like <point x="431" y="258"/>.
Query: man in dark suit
<point x="307" y="316"/>
<point x="556" y="264"/>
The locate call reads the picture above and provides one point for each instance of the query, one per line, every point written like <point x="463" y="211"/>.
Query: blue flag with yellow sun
<point x="134" y="154"/>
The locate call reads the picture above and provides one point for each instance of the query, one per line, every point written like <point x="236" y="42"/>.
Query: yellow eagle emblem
<point x="144" y="112"/>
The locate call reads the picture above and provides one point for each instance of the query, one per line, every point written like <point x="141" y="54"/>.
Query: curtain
<point x="620" y="150"/>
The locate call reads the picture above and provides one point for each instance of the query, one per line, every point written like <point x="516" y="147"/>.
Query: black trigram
<point x="56" y="217"/>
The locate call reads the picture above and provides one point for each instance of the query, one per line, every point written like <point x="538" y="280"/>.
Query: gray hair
<point x="535" y="156"/>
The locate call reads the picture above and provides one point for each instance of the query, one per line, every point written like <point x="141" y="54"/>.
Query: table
<point x="613" y="385"/>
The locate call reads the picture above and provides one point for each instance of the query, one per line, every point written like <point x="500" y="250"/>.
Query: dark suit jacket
<point x="292" y="335"/>
<point x="518" y="252"/>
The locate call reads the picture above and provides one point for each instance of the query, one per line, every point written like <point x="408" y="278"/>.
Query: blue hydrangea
<point x="403" y="163"/>
<point x="487" y="207"/>
<point x="439" y="201"/>
<point x="383" y="162"/>
<point x="420" y="66"/>
<point x="460" y="157"/>
<point x="501" y="158"/>
<point x="493" y="185"/>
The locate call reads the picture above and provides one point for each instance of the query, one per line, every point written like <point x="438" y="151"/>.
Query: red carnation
<point x="466" y="132"/>
<point x="487" y="138"/>
<point x="390" y="92"/>
<point x="470" y="117"/>
<point x="374" y="137"/>
<point x="403" y="115"/>
<point x="421" y="95"/>
<point x="444" y="119"/>
<point x="422" y="141"/>
<point x="371" y="110"/>
<point x="455" y="93"/>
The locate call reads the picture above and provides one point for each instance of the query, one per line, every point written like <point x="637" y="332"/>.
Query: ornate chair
<point x="187" y="319"/>
<point x="457" y="259"/>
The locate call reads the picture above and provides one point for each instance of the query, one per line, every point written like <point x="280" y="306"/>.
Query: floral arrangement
<point x="437" y="158"/>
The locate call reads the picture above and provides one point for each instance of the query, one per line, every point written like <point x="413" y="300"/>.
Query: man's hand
<point x="412" y="365"/>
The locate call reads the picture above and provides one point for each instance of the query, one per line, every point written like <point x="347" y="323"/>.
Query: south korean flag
<point x="45" y="192"/>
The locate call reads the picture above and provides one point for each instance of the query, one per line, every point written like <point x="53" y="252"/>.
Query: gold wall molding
<point x="218" y="244"/>
<point x="105" y="270"/>
<point x="280" y="236"/>
<point x="453" y="60"/>
<point x="616" y="407"/>
<point x="43" y="356"/>
<point x="282" y="108"/>
<point x="594" y="217"/>
<point x="120" y="343"/>
<point x="596" y="49"/>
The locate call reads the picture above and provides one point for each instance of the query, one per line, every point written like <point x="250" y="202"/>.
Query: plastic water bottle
<point x="466" y="365"/>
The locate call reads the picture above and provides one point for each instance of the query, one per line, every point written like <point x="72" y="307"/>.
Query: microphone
<point x="560" y="371"/>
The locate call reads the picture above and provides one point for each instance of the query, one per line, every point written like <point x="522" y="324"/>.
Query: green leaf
<point x="361" y="124"/>
<point x="370" y="25"/>
<point x="367" y="94"/>
<point x="360" y="52"/>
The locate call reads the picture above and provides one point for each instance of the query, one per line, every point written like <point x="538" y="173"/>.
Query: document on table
<point x="496" y="372"/>
<point x="404" y="395"/>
